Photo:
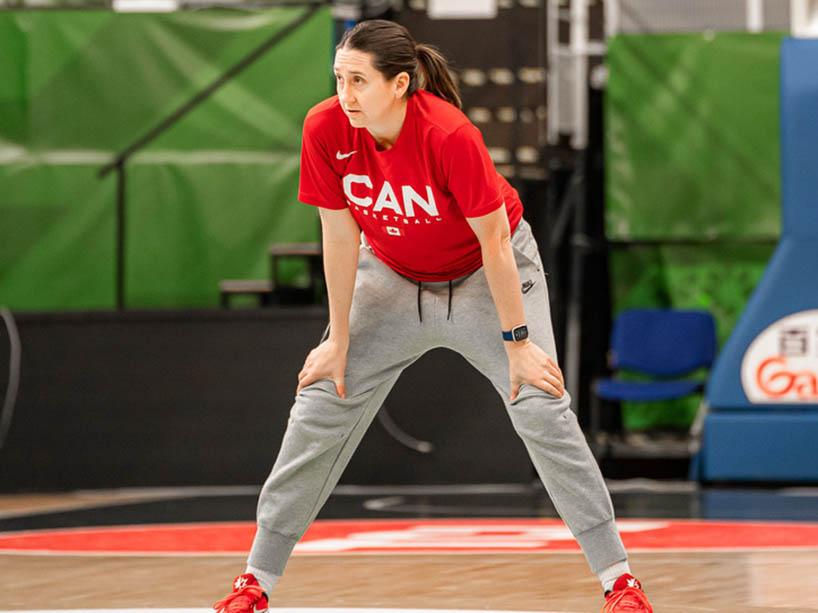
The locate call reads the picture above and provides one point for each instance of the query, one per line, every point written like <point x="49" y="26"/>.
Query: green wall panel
<point x="100" y="80"/>
<point x="190" y="225"/>
<point x="692" y="136"/>
<point x="205" y="199"/>
<point x="13" y="108"/>
<point x="691" y="153"/>
<point x="57" y="247"/>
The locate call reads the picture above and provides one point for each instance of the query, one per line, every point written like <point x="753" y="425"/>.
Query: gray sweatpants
<point x="386" y="336"/>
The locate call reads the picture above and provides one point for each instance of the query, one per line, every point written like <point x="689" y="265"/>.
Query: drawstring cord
<point x="420" y="310"/>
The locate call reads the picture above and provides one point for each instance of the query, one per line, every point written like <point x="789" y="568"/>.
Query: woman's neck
<point x="386" y="134"/>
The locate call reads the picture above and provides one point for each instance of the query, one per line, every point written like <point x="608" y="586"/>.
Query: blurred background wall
<point x="204" y="200"/>
<point x="646" y="153"/>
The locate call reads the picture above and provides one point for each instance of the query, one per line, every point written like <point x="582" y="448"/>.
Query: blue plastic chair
<point x="662" y="344"/>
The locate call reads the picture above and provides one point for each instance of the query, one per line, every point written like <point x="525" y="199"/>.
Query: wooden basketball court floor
<point x="737" y="579"/>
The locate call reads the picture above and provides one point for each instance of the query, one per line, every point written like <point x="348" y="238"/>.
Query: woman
<point x="424" y="246"/>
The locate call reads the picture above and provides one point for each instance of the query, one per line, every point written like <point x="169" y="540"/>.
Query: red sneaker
<point x="247" y="597"/>
<point x="627" y="595"/>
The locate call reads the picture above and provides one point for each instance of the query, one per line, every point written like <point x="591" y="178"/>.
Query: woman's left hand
<point x="529" y="364"/>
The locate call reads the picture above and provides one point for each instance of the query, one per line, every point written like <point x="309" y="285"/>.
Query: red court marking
<point x="407" y="536"/>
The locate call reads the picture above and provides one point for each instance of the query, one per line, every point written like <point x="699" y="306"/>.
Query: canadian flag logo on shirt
<point x="393" y="231"/>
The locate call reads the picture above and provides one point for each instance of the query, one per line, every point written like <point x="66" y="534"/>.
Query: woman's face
<point x="367" y="98"/>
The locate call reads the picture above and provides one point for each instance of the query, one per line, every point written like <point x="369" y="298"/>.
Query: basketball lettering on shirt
<point x="409" y="208"/>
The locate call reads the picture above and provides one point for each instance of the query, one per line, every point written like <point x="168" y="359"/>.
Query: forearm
<point x="528" y="364"/>
<point x="340" y="267"/>
<point x="504" y="281"/>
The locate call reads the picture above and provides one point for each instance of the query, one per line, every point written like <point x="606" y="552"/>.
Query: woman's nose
<point x="343" y="92"/>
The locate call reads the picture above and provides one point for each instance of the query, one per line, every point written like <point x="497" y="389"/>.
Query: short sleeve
<point x="319" y="184"/>
<point x="470" y="173"/>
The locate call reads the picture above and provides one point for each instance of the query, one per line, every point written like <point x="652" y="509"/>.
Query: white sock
<point x="609" y="576"/>
<point x="266" y="580"/>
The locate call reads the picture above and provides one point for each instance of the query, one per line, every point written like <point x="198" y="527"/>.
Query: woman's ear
<point x="401" y="84"/>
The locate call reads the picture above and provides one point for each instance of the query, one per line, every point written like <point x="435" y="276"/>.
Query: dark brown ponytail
<point x="434" y="75"/>
<point x="395" y="51"/>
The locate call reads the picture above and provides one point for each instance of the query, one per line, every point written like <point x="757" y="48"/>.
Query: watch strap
<point x="511" y="335"/>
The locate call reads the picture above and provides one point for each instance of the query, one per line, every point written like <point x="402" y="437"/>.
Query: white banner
<point x="462" y="9"/>
<point x="781" y="365"/>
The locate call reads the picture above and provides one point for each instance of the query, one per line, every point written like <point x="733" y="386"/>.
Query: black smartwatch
<point x="517" y="334"/>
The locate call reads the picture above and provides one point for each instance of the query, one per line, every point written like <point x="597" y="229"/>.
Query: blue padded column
<point x="799" y="142"/>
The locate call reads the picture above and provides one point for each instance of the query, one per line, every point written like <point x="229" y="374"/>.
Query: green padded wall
<point x="204" y="200"/>
<point x="691" y="153"/>
<point x="691" y="136"/>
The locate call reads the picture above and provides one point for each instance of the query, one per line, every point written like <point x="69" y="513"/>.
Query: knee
<point x="535" y="411"/>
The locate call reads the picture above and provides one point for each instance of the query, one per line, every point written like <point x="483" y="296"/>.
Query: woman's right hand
<point x="327" y="361"/>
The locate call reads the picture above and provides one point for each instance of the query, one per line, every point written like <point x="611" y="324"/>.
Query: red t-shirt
<point x="410" y="200"/>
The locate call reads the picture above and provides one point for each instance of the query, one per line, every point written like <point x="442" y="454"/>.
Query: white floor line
<point x="285" y="610"/>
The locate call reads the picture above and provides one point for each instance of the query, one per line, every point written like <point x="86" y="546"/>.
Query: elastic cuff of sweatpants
<point x="602" y="546"/>
<point x="271" y="551"/>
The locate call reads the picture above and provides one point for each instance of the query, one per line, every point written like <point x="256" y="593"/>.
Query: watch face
<point x="520" y="333"/>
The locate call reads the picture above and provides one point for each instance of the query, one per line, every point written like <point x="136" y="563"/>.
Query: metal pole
<point x="552" y="26"/>
<point x="579" y="59"/>
<point x="613" y="16"/>
<point x="755" y="16"/>
<point x="542" y="62"/>
<point x="804" y="18"/>
<point x="120" y="236"/>
<point x="573" y="326"/>
<point x="579" y="141"/>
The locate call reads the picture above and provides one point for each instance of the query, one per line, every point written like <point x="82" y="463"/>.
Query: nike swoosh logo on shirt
<point x="527" y="286"/>
<point x="341" y="156"/>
